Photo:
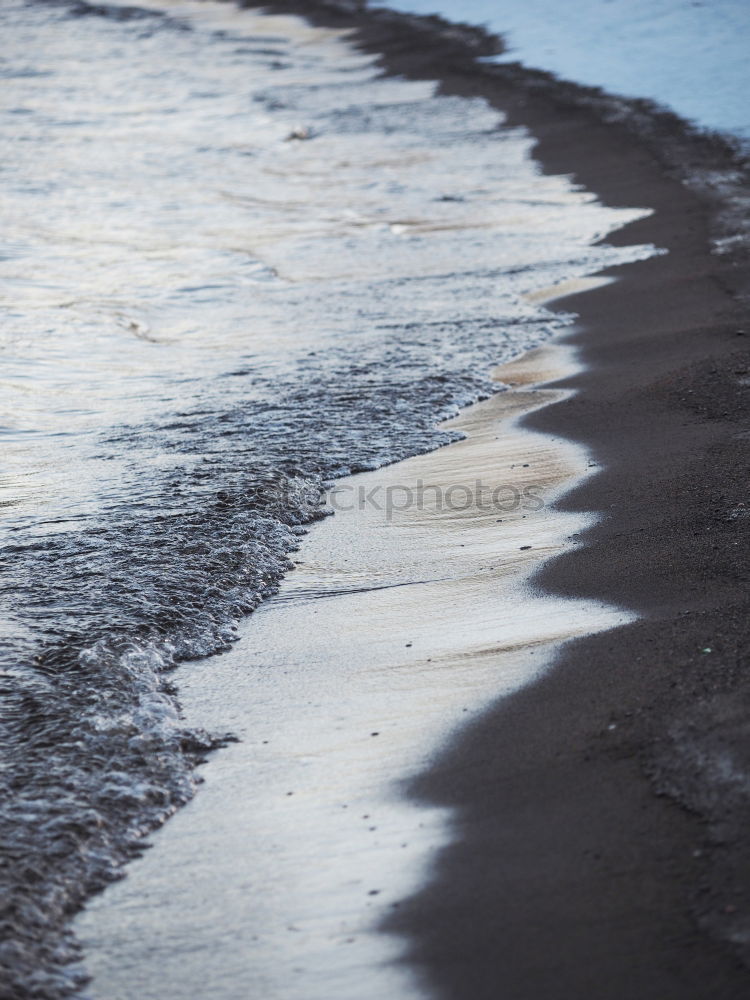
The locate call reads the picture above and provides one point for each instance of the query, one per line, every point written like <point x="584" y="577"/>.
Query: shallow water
<point x="203" y="321"/>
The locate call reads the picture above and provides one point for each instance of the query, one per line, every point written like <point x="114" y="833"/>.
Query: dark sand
<point x="601" y="843"/>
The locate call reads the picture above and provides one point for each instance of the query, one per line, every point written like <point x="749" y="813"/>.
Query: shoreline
<point x="408" y="336"/>
<point x="589" y="827"/>
<point x="641" y="821"/>
<point x="423" y="616"/>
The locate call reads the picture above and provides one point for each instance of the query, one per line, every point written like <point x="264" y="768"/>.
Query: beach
<point x="407" y="613"/>
<point x="485" y="730"/>
<point x="622" y="767"/>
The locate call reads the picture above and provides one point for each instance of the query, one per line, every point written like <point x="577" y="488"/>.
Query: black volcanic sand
<point x="601" y="813"/>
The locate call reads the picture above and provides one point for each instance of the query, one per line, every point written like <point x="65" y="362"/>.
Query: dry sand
<point x="600" y="841"/>
<point x="555" y="872"/>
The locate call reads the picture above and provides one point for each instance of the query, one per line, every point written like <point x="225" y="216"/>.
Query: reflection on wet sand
<point x="398" y="626"/>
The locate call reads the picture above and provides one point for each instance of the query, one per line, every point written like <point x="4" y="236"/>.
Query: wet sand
<point x="600" y="847"/>
<point x="408" y="613"/>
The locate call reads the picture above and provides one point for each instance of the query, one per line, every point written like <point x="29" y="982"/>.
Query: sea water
<point x="690" y="56"/>
<point x="236" y="264"/>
